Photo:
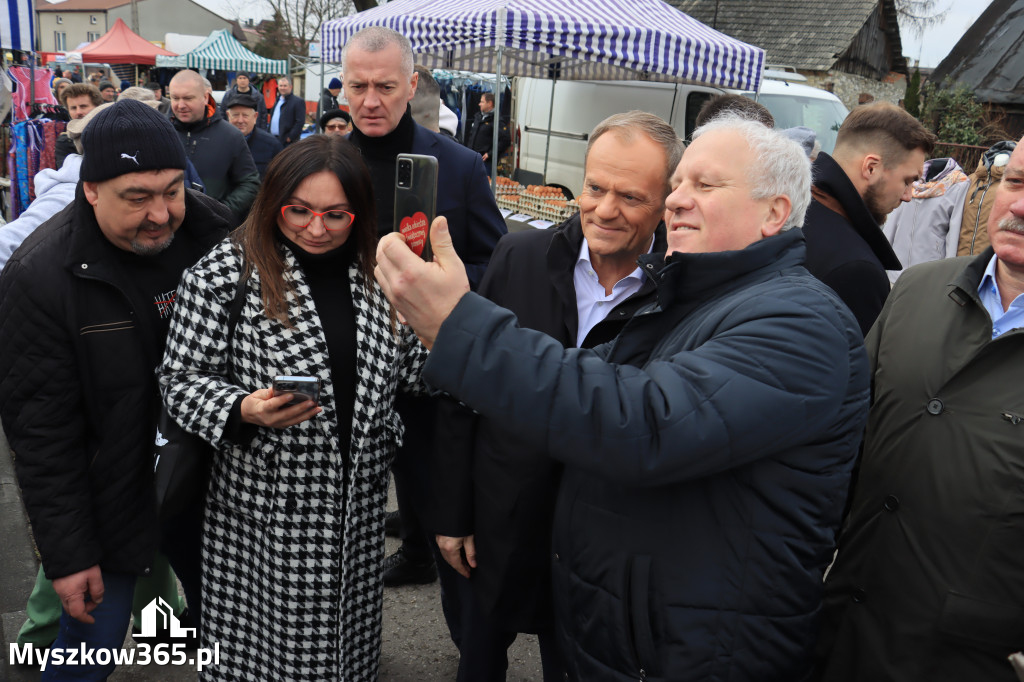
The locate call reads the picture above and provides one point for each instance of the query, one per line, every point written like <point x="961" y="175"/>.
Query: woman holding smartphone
<point x="293" y="530"/>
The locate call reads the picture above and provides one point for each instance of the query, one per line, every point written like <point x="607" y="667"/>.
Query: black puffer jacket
<point x="78" y="395"/>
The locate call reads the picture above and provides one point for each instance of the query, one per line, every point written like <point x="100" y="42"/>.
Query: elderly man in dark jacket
<point x="495" y="496"/>
<point x="85" y="305"/>
<point x="929" y="581"/>
<point x="880" y="152"/>
<point x="707" y="449"/>
<point x="243" y="90"/>
<point x="243" y="114"/>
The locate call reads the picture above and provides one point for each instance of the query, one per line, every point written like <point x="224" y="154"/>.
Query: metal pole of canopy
<point x="498" y="91"/>
<point x="551" y="114"/>
<point x="320" y="93"/>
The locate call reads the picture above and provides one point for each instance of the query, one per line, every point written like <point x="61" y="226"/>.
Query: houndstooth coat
<point x="292" y="548"/>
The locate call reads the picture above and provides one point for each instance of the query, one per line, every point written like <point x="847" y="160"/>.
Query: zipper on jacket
<point x="643" y="675"/>
<point x="1014" y="419"/>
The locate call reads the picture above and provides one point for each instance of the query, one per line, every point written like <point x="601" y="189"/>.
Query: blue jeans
<point x="108" y="632"/>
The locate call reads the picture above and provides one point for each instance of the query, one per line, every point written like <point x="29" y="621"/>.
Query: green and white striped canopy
<point x="221" y="51"/>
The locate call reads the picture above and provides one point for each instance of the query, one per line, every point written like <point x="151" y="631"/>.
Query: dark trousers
<point x="411" y="472"/>
<point x="483" y="644"/>
<point x="107" y="632"/>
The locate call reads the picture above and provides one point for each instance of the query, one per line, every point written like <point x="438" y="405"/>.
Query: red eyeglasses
<point x="300" y="217"/>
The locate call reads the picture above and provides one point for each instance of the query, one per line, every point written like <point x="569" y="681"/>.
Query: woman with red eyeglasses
<point x="293" y="536"/>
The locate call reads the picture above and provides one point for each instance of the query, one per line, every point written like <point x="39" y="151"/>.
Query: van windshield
<point x="823" y="116"/>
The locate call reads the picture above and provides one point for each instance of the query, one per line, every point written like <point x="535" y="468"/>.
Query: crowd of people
<point x="691" y="433"/>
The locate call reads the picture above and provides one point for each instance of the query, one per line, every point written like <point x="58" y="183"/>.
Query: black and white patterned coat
<point x="292" y="546"/>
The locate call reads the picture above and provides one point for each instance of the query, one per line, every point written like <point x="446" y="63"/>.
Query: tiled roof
<point x="79" y="5"/>
<point x="805" y="34"/>
<point x="989" y="58"/>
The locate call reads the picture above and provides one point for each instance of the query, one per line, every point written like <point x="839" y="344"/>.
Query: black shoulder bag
<point x="181" y="460"/>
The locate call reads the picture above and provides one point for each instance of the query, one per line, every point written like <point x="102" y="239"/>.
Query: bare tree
<point x="918" y="16"/>
<point x="303" y="18"/>
<point x="295" y="23"/>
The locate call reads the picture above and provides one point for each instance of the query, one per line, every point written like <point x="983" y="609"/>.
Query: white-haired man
<point x="707" y="449"/>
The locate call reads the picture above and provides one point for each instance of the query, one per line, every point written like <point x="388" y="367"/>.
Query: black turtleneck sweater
<point x="327" y="277"/>
<point x="379" y="154"/>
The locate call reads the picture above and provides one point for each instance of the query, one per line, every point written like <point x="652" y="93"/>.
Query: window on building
<point x="60" y="19"/>
<point x="92" y="19"/>
<point x="92" y="35"/>
<point x="60" y="41"/>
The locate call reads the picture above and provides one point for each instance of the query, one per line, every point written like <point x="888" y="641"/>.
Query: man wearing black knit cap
<point x="85" y="304"/>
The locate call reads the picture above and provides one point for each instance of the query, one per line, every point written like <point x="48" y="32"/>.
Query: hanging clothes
<point x="22" y="77"/>
<point x="31" y="151"/>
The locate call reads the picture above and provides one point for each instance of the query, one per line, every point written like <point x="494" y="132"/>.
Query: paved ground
<point x="416" y="642"/>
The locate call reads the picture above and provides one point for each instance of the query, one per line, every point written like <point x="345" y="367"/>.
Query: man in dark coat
<point x="214" y="146"/>
<point x="707" y="449"/>
<point x="85" y="305"/>
<point x="243" y="90"/>
<point x="243" y="114"/>
<point x="288" y="115"/>
<point x="929" y="580"/>
<point x="494" y="498"/>
<point x="480" y="136"/>
<point x="380" y="81"/>
<point x="880" y="152"/>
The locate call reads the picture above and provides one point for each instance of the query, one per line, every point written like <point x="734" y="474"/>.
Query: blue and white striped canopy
<point x="16" y="27"/>
<point x="567" y="39"/>
<point x="222" y="52"/>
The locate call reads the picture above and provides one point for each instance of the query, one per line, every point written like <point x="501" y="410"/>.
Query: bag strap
<point x="236" y="305"/>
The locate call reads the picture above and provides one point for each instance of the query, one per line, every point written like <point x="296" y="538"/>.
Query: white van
<point x="581" y="105"/>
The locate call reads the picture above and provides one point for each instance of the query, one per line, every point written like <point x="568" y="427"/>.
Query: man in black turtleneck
<point x="379" y="82"/>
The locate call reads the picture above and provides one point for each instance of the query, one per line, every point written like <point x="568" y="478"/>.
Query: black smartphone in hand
<point x="416" y="200"/>
<point x="301" y="388"/>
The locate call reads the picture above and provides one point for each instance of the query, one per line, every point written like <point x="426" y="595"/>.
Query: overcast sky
<point x="930" y="48"/>
<point x="938" y="41"/>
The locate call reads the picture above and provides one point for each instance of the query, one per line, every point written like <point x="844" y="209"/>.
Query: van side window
<point x="694" y="102"/>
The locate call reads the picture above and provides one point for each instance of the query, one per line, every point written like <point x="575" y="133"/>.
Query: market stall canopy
<point x="563" y="39"/>
<point x="223" y="52"/>
<point x="16" y="27"/>
<point x="120" y="45"/>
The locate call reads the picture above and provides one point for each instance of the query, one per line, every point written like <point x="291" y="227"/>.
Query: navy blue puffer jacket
<point x="708" y="452"/>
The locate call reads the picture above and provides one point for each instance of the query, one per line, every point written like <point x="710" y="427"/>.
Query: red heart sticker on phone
<point x="414" y="228"/>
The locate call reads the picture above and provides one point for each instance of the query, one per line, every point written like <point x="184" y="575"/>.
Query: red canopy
<point x="120" y="45"/>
